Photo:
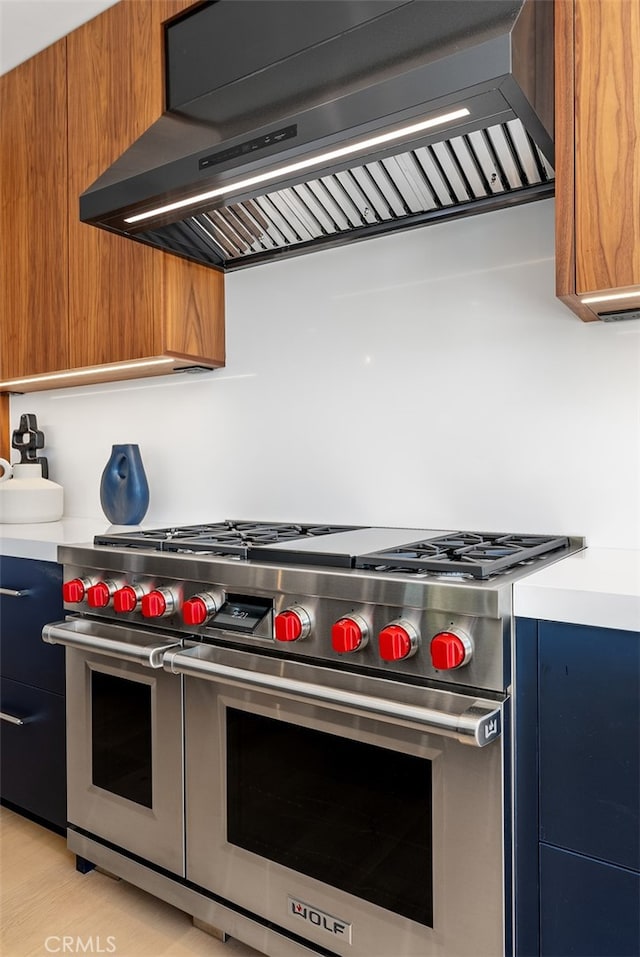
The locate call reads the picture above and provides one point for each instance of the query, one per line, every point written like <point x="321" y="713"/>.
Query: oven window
<point x="121" y="737"/>
<point x="355" y="816"/>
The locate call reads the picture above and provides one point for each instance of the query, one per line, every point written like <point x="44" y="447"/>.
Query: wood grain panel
<point x="564" y="145"/>
<point x="607" y="132"/>
<point x="114" y="94"/>
<point x="33" y="215"/>
<point x="565" y="160"/>
<point x="193" y="306"/>
<point x="116" y="91"/>
<point x="5" y="428"/>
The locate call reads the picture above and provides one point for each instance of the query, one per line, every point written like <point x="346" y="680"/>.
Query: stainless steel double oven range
<point x="300" y="734"/>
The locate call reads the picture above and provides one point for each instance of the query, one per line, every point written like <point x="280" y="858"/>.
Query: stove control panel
<point x="245" y="615"/>
<point x="410" y="640"/>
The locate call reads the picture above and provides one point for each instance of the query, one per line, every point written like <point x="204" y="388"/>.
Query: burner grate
<point x="475" y="554"/>
<point x="231" y="538"/>
<point x="478" y="555"/>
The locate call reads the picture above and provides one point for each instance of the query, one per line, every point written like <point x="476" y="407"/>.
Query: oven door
<point x="124" y="739"/>
<point x="345" y="810"/>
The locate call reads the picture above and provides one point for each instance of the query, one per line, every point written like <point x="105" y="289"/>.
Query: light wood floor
<point x="44" y="898"/>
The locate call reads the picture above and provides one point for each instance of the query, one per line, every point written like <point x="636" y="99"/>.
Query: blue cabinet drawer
<point x="589" y="711"/>
<point x="587" y="908"/>
<point x="23" y="655"/>
<point x="33" y="753"/>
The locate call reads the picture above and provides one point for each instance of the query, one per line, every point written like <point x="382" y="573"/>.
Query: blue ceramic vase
<point x="124" y="490"/>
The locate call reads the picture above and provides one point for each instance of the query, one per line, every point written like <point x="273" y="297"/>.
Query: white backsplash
<point x="428" y="379"/>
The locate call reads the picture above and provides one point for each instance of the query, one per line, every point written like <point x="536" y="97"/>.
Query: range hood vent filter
<point x="419" y="186"/>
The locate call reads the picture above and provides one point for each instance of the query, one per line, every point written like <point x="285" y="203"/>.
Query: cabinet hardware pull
<point x="12" y="593"/>
<point x="10" y="718"/>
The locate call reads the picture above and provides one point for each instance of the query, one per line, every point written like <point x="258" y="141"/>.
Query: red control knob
<point x="349" y="634"/>
<point x="154" y="605"/>
<point x="98" y="596"/>
<point x="198" y="608"/>
<point x="74" y="591"/>
<point x="125" y="599"/>
<point x="194" y="611"/>
<point x="450" y="649"/>
<point x="293" y="624"/>
<point x="397" y="640"/>
<point x="157" y="603"/>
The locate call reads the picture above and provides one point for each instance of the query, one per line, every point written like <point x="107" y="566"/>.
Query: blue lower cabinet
<point x="587" y="908"/>
<point x="32" y="751"/>
<point x="589" y="714"/>
<point x="33" y="597"/>
<point x="577" y="791"/>
<point x="32" y="688"/>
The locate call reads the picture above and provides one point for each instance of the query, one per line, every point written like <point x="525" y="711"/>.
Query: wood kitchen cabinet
<point x="98" y="304"/>
<point x="598" y="155"/>
<point x="33" y="215"/>
<point x="139" y="302"/>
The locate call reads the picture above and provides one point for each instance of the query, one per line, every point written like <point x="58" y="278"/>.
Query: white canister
<point x="26" y="497"/>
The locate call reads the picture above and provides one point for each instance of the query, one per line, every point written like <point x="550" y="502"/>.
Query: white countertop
<point x="41" y="541"/>
<point x="598" y="586"/>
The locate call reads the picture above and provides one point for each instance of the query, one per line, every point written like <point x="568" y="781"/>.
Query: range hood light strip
<point x="611" y="298"/>
<point x="361" y="145"/>
<point x="116" y="367"/>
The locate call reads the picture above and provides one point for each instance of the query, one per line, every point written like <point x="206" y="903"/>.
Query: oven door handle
<point x="146" y="649"/>
<point x="479" y="724"/>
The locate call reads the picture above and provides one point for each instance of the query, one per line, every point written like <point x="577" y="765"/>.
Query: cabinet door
<point x="597" y="105"/>
<point x="589" y="712"/>
<point x="117" y="286"/>
<point x="32" y="751"/>
<point x="587" y="908"/>
<point x="24" y="656"/>
<point x="607" y="158"/>
<point x="33" y="215"/>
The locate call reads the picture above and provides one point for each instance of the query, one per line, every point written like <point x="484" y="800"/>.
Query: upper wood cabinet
<point x="598" y="155"/>
<point x="99" y="305"/>
<point x="33" y="215"/>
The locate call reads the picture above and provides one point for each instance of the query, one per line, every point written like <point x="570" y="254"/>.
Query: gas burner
<point x="420" y="551"/>
<point x="457" y="554"/>
<point x="396" y="570"/>
<point x="415" y="571"/>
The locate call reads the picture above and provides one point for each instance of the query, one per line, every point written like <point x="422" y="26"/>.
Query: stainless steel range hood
<point x="297" y="124"/>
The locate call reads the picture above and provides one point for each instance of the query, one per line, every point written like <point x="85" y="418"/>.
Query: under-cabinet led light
<point x="611" y="297"/>
<point x="360" y="146"/>
<point x="93" y="370"/>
